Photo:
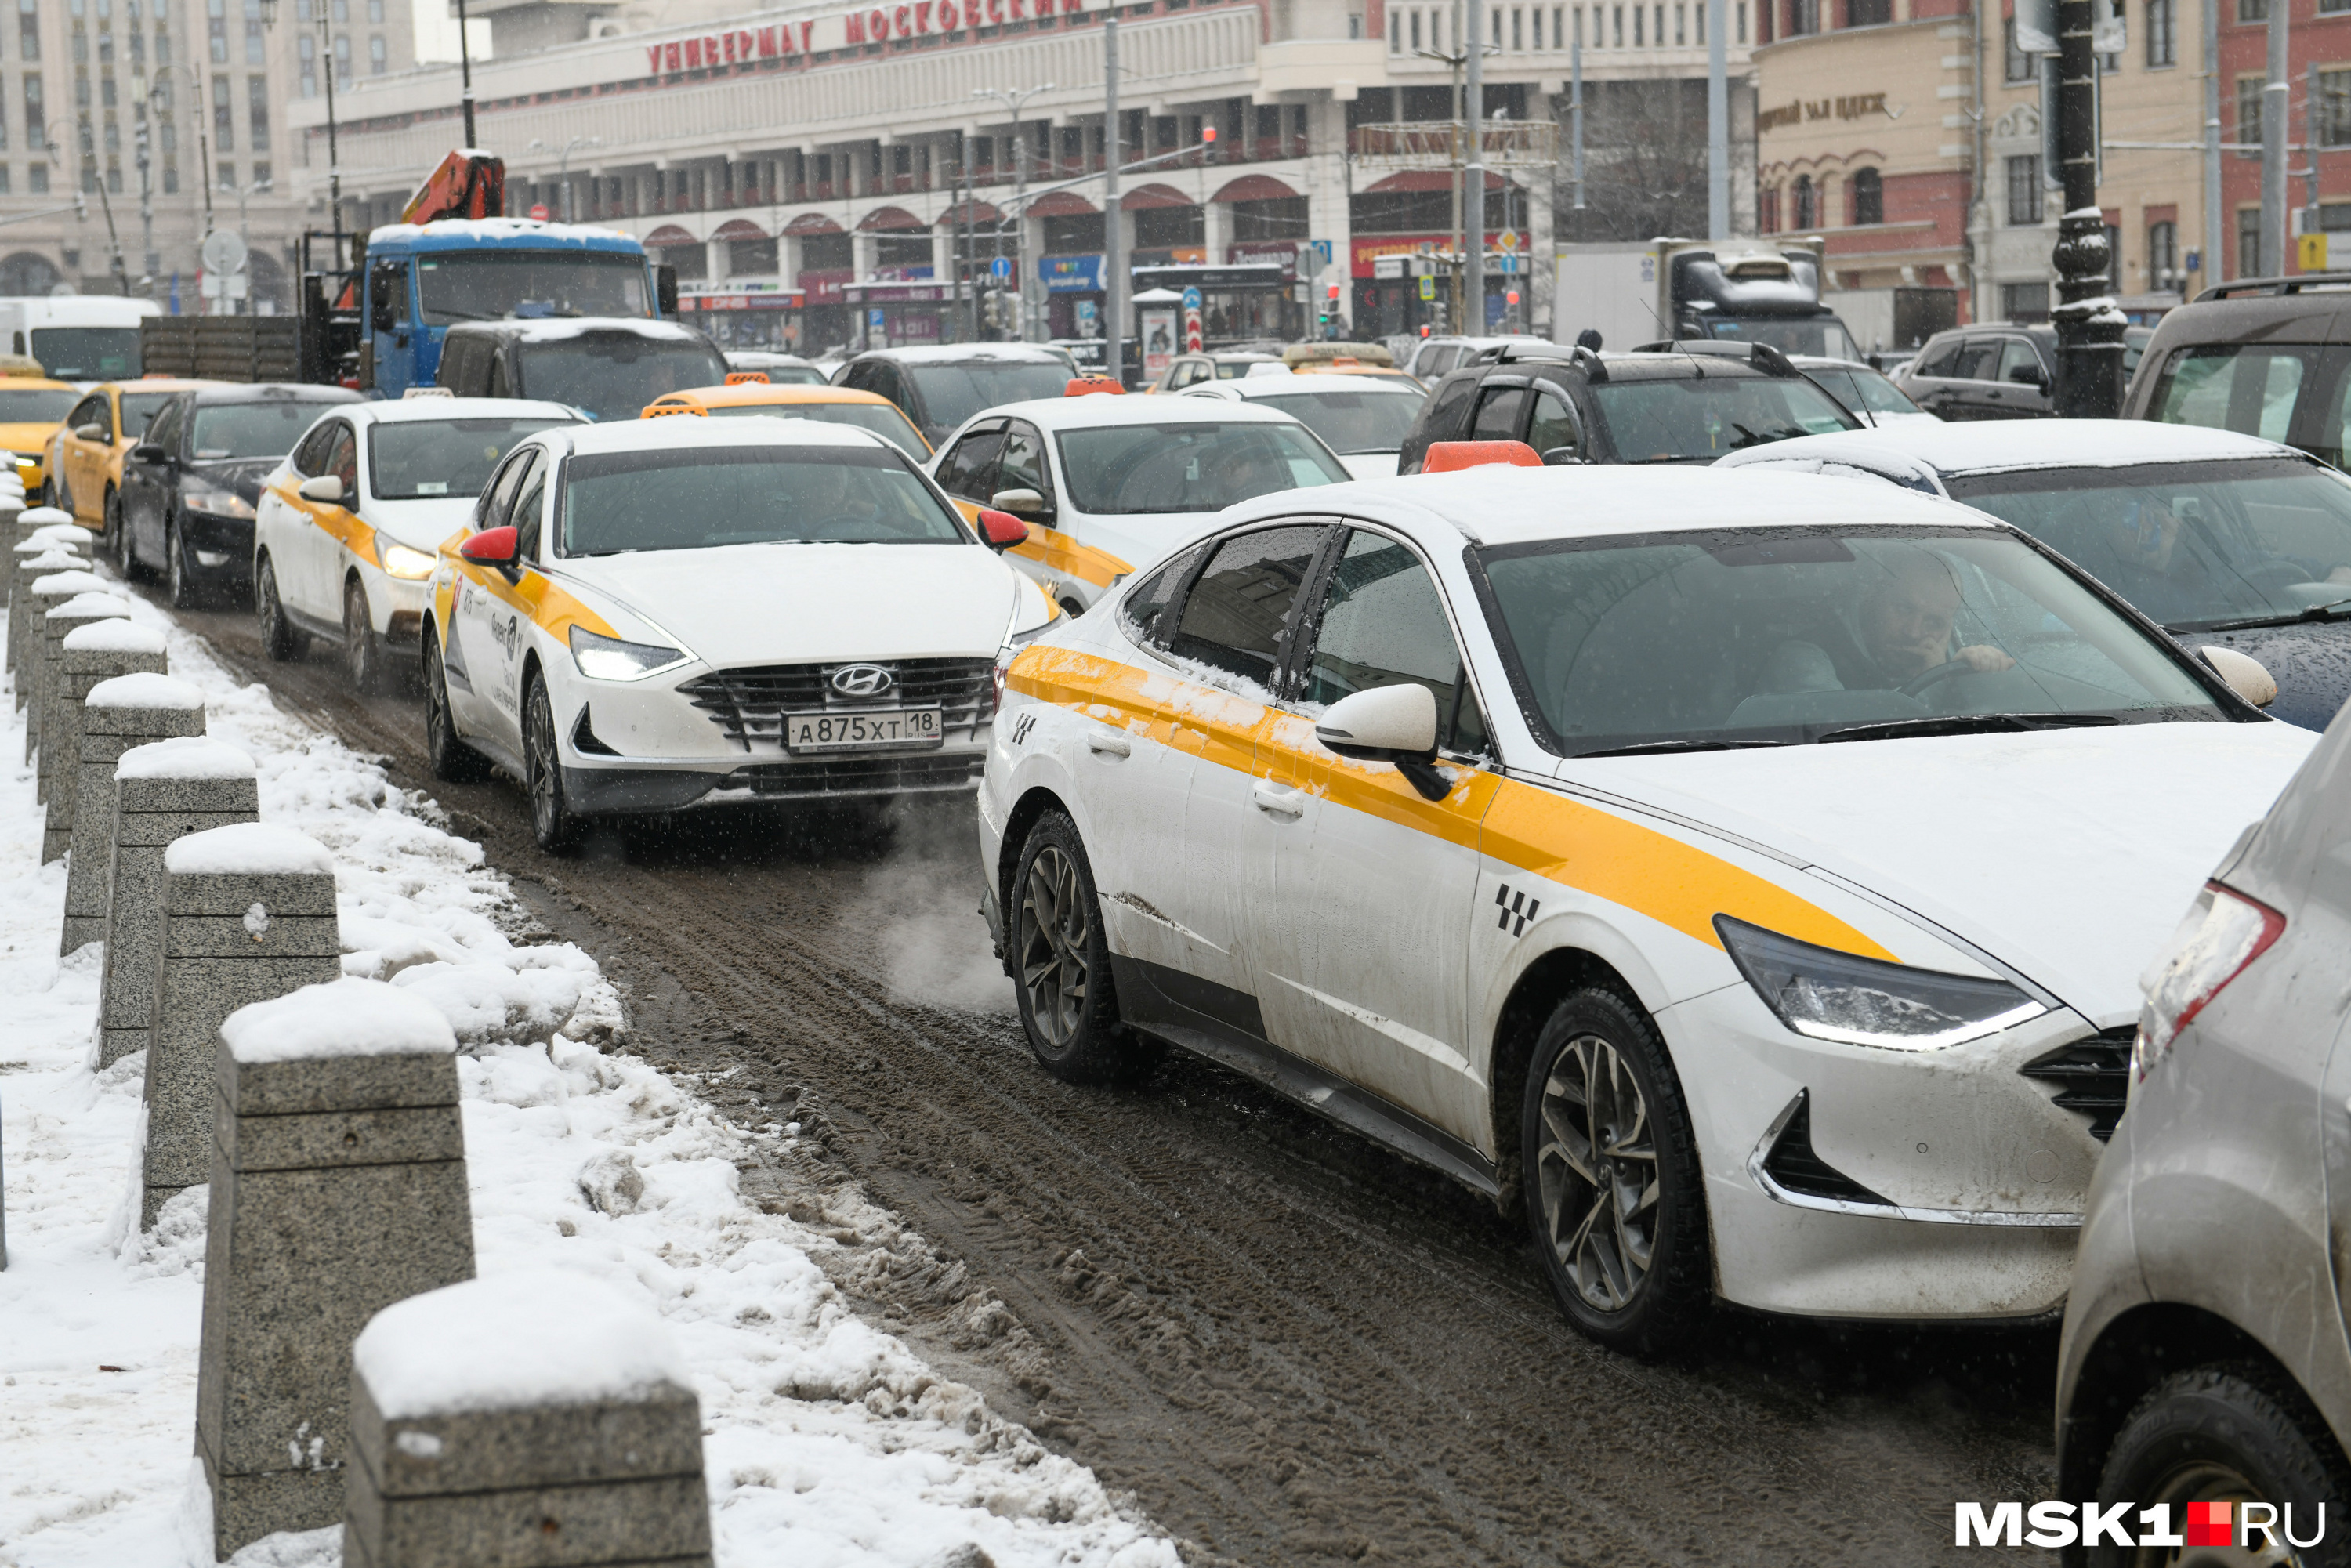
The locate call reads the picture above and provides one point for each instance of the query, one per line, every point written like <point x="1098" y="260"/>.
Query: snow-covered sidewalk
<point x="828" y="1442"/>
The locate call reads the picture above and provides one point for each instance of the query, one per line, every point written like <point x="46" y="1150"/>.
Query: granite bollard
<point x="40" y="558"/>
<point x="94" y="653"/>
<point x="46" y="594"/>
<point x="61" y="730"/>
<point x="120" y="715"/>
<point x="249" y="914"/>
<point x="541" y="1418"/>
<point x="338" y="1188"/>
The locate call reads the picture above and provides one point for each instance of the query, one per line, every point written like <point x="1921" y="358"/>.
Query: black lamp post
<point x="2089" y="326"/>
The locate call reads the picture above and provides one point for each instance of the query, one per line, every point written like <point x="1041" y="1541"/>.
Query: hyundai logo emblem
<point x="862" y="680"/>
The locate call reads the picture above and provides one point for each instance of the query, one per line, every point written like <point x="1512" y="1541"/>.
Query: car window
<point x="1555" y="423"/>
<point x="1938" y="357"/>
<point x="1141" y="611"/>
<point x="262" y="429"/>
<point x="1781" y="636"/>
<point x="529" y="505"/>
<point x="138" y="410"/>
<point x="1022" y="464"/>
<point x="1499" y="411"/>
<point x="1448" y="406"/>
<point x="428" y="459"/>
<point x="954" y="392"/>
<point x="969" y="462"/>
<point x="710" y="496"/>
<point x="166" y="426"/>
<point x="614" y="375"/>
<point x="44" y="405"/>
<point x="1370" y="420"/>
<point x="1669" y="421"/>
<point x="309" y="458"/>
<point x="2245" y="387"/>
<point x="88" y="410"/>
<point x="1190" y="466"/>
<point x="499" y="498"/>
<point x="883" y="419"/>
<point x="1236" y="617"/>
<point x="1976" y="361"/>
<point x="1876" y="394"/>
<point x="2019" y="363"/>
<point x="1236" y="370"/>
<point x="343" y="459"/>
<point x="1382" y="623"/>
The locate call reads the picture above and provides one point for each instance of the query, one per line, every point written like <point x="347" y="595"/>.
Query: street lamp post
<point x="2089" y="327"/>
<point x="563" y="169"/>
<point x="243" y="231"/>
<point x="161" y="99"/>
<point x="465" y="75"/>
<point x="1013" y="101"/>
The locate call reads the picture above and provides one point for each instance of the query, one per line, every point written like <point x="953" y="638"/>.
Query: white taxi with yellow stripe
<point x="1745" y="877"/>
<point x="653" y="614"/>
<point x="1109" y="484"/>
<point x="347" y="529"/>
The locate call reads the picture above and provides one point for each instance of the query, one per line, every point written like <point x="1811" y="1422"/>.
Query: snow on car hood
<point x="792" y="603"/>
<point x="2069" y="854"/>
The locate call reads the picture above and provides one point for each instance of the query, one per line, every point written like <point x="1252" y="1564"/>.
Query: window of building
<point x="1868" y="197"/>
<point x="2249" y="242"/>
<point x="1868" y="13"/>
<point x="29" y="28"/>
<point x="375" y="12"/>
<point x="379" y="55"/>
<point x="36" y="179"/>
<point x="2024" y="303"/>
<point x="1806" y="215"/>
<point x="261" y="174"/>
<point x="216" y="29"/>
<point x="255" y="51"/>
<point x="36" y="139"/>
<point x="342" y="57"/>
<point x="257" y="98"/>
<point x="2163" y="34"/>
<point x="2252" y="10"/>
<point x="2163" y="255"/>
<point x="1804" y="16"/>
<point x="1618" y="19"/>
<point x="224" y="176"/>
<point x="1767" y="209"/>
<point x="307" y="48"/>
<point x="1640" y="26"/>
<point x="342" y="9"/>
<point x="2332" y="112"/>
<point x="2024" y="190"/>
<point x="2248" y="115"/>
<point x="2109" y="64"/>
<point x="223" y="119"/>
<point x="1395" y="32"/>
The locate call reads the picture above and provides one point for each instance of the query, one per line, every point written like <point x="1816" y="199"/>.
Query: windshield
<point x="425" y="459"/>
<point x="953" y="394"/>
<point x="614" y="375"/>
<point x="1864" y="392"/>
<point x="48" y="406"/>
<point x="1824" y="337"/>
<point x="1703" y="417"/>
<point x="1190" y="466"/>
<point x="138" y="408"/>
<point x="1353" y="421"/>
<point x="792" y="375"/>
<point x="87" y="353"/>
<point x="492" y="285"/>
<point x="1785" y="635"/>
<point x="2248" y="387"/>
<point x="882" y="418"/>
<point x="250" y="429"/>
<point x="703" y="497"/>
<point x="2191" y="543"/>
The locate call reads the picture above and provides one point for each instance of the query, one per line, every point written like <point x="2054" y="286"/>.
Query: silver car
<point x="2204" y="1357"/>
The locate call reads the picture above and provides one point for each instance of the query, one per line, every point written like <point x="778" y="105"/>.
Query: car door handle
<point x="1268" y="796"/>
<point x="1110" y="745"/>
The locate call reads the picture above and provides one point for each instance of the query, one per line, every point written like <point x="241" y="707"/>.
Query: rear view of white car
<point x="1362" y="418"/>
<point x="346" y="532"/>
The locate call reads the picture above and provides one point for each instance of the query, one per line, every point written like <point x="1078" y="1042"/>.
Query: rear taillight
<point x="2235" y="931"/>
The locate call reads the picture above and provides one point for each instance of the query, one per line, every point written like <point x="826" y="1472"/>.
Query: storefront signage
<point x="1856" y="106"/>
<point x="1071" y="274"/>
<point x="1283" y="253"/>
<point x="849" y="29"/>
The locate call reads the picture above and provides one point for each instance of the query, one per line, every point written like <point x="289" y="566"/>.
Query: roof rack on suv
<point x="1516" y="353"/>
<point x="1761" y="355"/>
<point x="2294" y="285"/>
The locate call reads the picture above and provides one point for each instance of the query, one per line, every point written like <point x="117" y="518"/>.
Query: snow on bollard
<point x="84" y="796"/>
<point x="124" y="714"/>
<point x="36" y="557"/>
<point x="248" y="915"/>
<point x="59" y="749"/>
<point x="34" y="519"/>
<point x="542" y="1417"/>
<point x="25" y="612"/>
<point x="338" y="1188"/>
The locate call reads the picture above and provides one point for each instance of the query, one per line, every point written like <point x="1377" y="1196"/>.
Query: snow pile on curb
<point x="829" y="1441"/>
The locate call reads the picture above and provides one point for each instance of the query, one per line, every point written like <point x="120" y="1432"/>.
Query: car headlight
<point x="603" y="658"/>
<point x="401" y="561"/>
<point x="1827" y="994"/>
<point x="218" y="500"/>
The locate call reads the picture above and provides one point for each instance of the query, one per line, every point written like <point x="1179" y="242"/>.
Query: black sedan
<point x="189" y="488"/>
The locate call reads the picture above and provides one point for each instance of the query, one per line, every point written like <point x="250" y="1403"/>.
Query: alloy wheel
<point x="361" y="656"/>
<point x="2210" y="1480"/>
<point x="1054" y="928"/>
<point x="1597" y="1167"/>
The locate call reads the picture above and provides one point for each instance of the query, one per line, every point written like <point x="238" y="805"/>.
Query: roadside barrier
<point x="61" y="715"/>
<point x="82" y="811"/>
<point x="338" y="1188"/>
<point x="38" y="547"/>
<point x="32" y="663"/>
<point x="124" y="714"/>
<point x="25" y="613"/>
<point x="249" y="914"/>
<point x="538" y="1418"/>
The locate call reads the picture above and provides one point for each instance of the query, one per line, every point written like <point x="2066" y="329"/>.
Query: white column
<point x="715" y="253"/>
<point x="1539" y="247"/>
<point x="1327" y="213"/>
<point x="1215" y="230"/>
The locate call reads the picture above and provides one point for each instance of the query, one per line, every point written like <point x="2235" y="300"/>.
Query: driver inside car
<point x="1901" y="628"/>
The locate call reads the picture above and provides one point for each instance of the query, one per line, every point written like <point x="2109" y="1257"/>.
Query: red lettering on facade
<point x="671" y="56"/>
<point x="1019" y="9"/>
<point x="808" y="36"/>
<point x="710" y="51"/>
<point x="743" y="44"/>
<point x="855" y="25"/>
<point x="693" y="53"/>
<point x="877" y="24"/>
<point x="994" y="11"/>
<point x="652" y="58"/>
<point x="922" y="17"/>
<point x="950" y="19"/>
<point x="904" y="21"/>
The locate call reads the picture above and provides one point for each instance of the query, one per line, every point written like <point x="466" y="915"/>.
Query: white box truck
<point x="77" y="337"/>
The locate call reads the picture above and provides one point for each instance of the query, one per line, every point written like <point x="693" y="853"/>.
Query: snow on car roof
<point x="494" y="231"/>
<point x="1500" y="504"/>
<point x="390" y="411"/>
<point x="1990" y="446"/>
<point x="554" y="330"/>
<point x="1313" y="382"/>
<point x="649" y="435"/>
<point x="1100" y="409"/>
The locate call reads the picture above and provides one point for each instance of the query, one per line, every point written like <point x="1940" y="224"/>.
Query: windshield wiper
<point x="1967" y="724"/>
<point x="2253" y="623"/>
<point x="1652" y="748"/>
<point x="1749" y="438"/>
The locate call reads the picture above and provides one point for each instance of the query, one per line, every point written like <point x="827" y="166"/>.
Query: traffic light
<point x="991" y="309"/>
<point x="1329" y="316"/>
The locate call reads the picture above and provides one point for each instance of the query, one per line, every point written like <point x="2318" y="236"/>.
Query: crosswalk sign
<point x="1427" y="287"/>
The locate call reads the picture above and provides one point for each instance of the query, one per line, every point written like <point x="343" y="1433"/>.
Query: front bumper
<point x="217" y="548"/>
<point x="1930" y="1185"/>
<point x="594" y="787"/>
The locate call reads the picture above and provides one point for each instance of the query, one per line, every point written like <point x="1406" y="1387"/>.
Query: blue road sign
<point x="1191" y="300"/>
<point x="1001" y="267"/>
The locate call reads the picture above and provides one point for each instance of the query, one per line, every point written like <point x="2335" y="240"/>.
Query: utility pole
<point x="1114" y="250"/>
<point x="1575" y="128"/>
<point x="2215" y="267"/>
<point x="1717" y="126"/>
<point x="1457" y="59"/>
<point x="2089" y="327"/>
<point x="1473" y="176"/>
<point x="465" y="73"/>
<point x="2276" y="93"/>
<point x="1013" y="100"/>
<point x="149" y="262"/>
<point x="334" y="164"/>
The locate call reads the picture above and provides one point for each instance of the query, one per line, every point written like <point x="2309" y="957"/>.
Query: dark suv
<point x="1683" y="404"/>
<point x="2261" y="356"/>
<point x="1996" y="371"/>
<point x="938" y="386"/>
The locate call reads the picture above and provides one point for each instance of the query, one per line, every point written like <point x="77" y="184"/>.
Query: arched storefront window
<point x="1805" y="215"/>
<point x="1868" y="197"/>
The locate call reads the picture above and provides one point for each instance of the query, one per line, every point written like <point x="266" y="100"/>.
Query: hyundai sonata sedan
<point x="1744" y="877"/>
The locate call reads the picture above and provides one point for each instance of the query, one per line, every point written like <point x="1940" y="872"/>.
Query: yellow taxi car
<point x="749" y="393"/>
<point x="31" y="406"/>
<point x="85" y="454"/>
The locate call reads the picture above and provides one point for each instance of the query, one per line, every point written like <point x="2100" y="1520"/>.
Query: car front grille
<point x="856" y="775"/>
<point x="2092" y="1077"/>
<point x="748" y="705"/>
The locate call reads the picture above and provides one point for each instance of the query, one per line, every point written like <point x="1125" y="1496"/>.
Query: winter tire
<point x="364" y="657"/>
<point x="111" y="545"/>
<point x="2237" y="1432"/>
<point x="279" y="638"/>
<point x="1613" y="1194"/>
<point x="453" y="761"/>
<point x="182" y="588"/>
<point x="552" y="822"/>
<point x="1060" y="963"/>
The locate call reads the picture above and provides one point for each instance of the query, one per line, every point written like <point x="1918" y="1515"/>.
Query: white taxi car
<point x="1109" y="484"/>
<point x="652" y="614"/>
<point x="346" y="531"/>
<point x="1748" y="876"/>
